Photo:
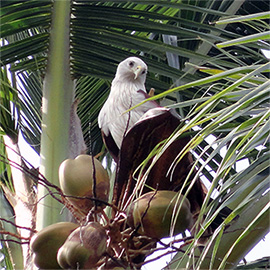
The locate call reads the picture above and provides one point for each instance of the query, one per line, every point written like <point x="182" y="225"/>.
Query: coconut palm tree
<point x="205" y="60"/>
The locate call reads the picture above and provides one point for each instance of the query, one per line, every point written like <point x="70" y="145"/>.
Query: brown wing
<point x="157" y="125"/>
<point x="111" y="145"/>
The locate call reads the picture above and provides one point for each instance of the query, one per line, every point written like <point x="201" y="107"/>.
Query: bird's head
<point x="132" y="68"/>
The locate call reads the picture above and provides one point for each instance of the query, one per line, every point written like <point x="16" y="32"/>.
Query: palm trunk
<point x="58" y="93"/>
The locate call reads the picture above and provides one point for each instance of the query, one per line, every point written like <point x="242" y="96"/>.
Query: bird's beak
<point x="137" y="71"/>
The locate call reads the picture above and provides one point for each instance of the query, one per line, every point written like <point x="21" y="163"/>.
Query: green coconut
<point x="76" y="177"/>
<point x="83" y="248"/>
<point x="45" y="244"/>
<point x="153" y="213"/>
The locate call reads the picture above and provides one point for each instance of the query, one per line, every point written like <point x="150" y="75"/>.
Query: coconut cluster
<point x="85" y="184"/>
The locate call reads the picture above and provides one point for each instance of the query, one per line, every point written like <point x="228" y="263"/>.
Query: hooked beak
<point x="137" y="71"/>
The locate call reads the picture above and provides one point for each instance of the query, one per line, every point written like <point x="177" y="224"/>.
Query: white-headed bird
<point x="127" y="90"/>
<point x="137" y="136"/>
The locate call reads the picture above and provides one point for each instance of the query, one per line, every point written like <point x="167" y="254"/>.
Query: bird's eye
<point x="143" y="72"/>
<point x="131" y="63"/>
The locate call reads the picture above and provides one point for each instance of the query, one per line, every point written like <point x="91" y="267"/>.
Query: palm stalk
<point x="58" y="93"/>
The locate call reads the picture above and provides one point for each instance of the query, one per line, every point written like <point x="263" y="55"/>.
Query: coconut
<point x="45" y="244"/>
<point x="76" y="177"/>
<point x="83" y="248"/>
<point x="154" y="213"/>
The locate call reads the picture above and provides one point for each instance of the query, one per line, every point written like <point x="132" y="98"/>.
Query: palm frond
<point x="219" y="84"/>
<point x="9" y="110"/>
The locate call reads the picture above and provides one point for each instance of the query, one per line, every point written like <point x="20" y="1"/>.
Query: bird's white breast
<point x="113" y="117"/>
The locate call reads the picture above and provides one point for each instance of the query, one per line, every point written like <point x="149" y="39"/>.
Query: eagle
<point x="127" y="90"/>
<point x="131" y="136"/>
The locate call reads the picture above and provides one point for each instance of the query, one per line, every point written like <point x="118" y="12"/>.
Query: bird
<point x="127" y="90"/>
<point x="131" y="136"/>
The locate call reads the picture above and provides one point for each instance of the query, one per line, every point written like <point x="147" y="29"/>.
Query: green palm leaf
<point x="209" y="73"/>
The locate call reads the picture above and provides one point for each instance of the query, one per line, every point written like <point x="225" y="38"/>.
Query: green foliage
<point x="219" y="82"/>
<point x="8" y="108"/>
